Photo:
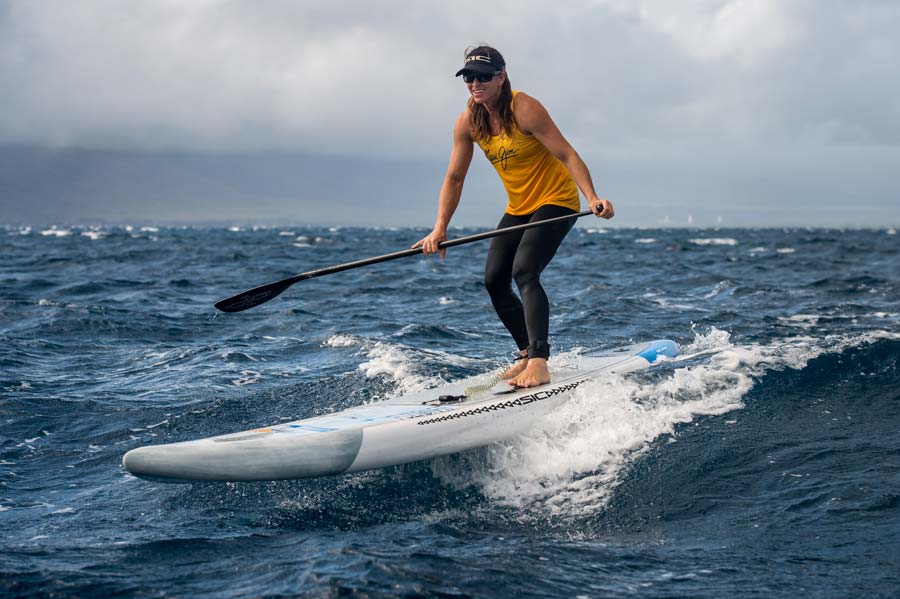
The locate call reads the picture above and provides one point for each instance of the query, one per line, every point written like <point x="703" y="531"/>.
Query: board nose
<point x="663" y="347"/>
<point x="143" y="461"/>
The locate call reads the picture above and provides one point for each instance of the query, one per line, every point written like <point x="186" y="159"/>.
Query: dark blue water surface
<point x="765" y="462"/>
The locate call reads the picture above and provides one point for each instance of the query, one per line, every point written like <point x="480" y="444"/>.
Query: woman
<point x="540" y="171"/>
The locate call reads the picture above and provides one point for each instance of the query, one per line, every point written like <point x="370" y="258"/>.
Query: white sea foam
<point x="645" y="240"/>
<point x="714" y="241"/>
<point x="446" y="300"/>
<point x="403" y="365"/>
<point x="94" y="235"/>
<point x="302" y="241"/>
<point x="247" y="377"/>
<point x="785" y="250"/>
<point x="884" y="314"/>
<point x="341" y="341"/>
<point x="572" y="462"/>
<point x="54" y="232"/>
<point x="228" y="354"/>
<point x="23" y="386"/>
<point x="393" y="361"/>
<point x="721" y="287"/>
<point x="801" y="320"/>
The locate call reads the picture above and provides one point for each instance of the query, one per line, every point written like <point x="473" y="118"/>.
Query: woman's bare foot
<point x="516" y="369"/>
<point x="535" y="373"/>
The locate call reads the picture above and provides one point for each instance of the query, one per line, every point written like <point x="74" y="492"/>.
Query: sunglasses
<point x="481" y="77"/>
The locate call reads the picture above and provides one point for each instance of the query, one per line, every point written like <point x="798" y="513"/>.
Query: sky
<point x="702" y="112"/>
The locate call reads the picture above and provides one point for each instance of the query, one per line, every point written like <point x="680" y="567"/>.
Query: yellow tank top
<point x="531" y="175"/>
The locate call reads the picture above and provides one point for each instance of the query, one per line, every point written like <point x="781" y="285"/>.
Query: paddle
<point x="263" y="293"/>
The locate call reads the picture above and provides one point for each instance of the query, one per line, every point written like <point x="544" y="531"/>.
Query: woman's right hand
<point x="429" y="243"/>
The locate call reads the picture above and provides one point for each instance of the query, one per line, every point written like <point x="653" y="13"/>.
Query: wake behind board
<point x="412" y="427"/>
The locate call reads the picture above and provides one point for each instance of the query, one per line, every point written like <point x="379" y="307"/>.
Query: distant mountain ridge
<point x="41" y="186"/>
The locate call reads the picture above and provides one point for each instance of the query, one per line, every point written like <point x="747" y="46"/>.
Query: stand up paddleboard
<point x="452" y="418"/>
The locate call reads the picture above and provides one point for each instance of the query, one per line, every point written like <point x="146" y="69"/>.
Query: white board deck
<point x="407" y="428"/>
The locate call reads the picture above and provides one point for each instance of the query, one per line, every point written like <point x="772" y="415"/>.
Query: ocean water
<point x="764" y="462"/>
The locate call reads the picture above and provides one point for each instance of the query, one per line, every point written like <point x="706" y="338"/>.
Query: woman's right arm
<point x="451" y="189"/>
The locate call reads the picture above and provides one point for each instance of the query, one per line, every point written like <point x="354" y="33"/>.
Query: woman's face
<point x="487" y="92"/>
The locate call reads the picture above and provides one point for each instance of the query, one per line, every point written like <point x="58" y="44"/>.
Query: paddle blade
<point x="253" y="297"/>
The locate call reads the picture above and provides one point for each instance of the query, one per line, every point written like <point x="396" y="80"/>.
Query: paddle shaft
<point x="263" y="293"/>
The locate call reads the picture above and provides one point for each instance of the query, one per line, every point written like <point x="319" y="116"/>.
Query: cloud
<point x="743" y="30"/>
<point x="361" y="77"/>
<point x="206" y="75"/>
<point x="732" y="85"/>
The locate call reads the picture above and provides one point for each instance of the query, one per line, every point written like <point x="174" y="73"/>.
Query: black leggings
<point x="522" y="256"/>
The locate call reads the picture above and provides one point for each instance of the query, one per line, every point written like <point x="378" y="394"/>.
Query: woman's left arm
<point x="532" y="118"/>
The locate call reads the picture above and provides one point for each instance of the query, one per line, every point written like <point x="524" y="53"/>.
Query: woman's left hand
<point x="602" y="208"/>
<point x="431" y="243"/>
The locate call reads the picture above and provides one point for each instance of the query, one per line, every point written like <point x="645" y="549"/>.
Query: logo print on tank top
<point x="502" y="156"/>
